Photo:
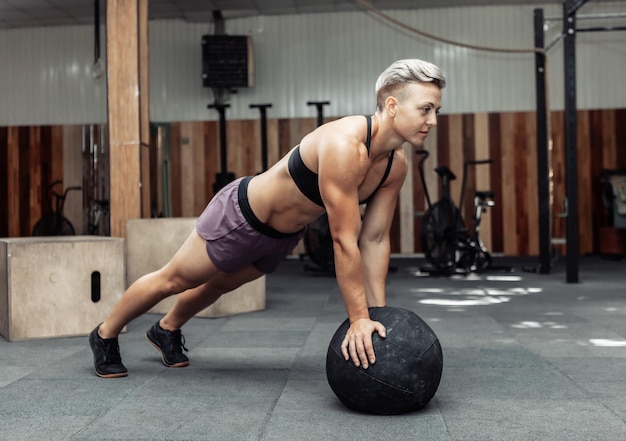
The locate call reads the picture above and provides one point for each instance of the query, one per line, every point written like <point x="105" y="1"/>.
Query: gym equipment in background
<point x="263" y="115"/>
<point x="54" y="223"/>
<point x="448" y="246"/>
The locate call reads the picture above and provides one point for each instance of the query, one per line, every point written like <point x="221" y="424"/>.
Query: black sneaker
<point x="106" y="356"/>
<point x="170" y="344"/>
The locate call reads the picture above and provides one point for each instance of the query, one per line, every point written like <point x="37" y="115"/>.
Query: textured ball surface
<point x="407" y="372"/>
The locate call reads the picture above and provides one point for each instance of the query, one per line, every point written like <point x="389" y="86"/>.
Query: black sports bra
<point x="307" y="180"/>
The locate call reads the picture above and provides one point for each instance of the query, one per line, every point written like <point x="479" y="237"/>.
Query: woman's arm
<point x="374" y="241"/>
<point x="342" y="168"/>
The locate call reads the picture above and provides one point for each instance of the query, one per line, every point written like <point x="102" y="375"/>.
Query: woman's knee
<point x="168" y="283"/>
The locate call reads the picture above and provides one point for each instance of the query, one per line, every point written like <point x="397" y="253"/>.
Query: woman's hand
<point x="357" y="345"/>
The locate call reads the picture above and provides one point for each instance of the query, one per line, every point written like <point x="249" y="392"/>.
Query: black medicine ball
<point x="408" y="367"/>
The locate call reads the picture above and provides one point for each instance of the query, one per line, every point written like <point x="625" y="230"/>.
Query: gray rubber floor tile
<point x="524" y="383"/>
<point x="81" y="396"/>
<point x="257" y="339"/>
<point x="212" y="358"/>
<point x="229" y="383"/>
<point x="37" y="428"/>
<point x="343" y="425"/>
<point x="182" y="418"/>
<point x="593" y="370"/>
<point x="498" y="419"/>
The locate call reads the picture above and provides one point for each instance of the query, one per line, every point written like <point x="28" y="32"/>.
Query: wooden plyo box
<point x="151" y="243"/>
<point x="58" y="286"/>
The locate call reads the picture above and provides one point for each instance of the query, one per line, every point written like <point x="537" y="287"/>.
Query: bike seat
<point x="486" y="194"/>
<point x="444" y="171"/>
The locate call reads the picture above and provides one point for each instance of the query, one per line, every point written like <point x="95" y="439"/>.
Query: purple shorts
<point x="236" y="238"/>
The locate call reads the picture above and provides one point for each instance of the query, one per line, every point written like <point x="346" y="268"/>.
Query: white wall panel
<point x="46" y="77"/>
<point x="46" y="72"/>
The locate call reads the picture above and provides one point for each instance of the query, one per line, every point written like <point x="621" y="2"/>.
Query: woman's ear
<point x="391" y="105"/>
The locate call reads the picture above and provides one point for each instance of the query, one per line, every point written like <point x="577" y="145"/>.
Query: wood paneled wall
<point x="31" y="157"/>
<point x="195" y="155"/>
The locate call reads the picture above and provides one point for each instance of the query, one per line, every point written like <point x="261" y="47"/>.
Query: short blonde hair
<point x="406" y="71"/>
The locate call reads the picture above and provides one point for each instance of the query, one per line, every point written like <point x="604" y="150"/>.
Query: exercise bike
<point x="449" y="247"/>
<point x="54" y="223"/>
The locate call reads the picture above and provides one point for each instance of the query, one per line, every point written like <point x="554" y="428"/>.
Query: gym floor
<point x="526" y="357"/>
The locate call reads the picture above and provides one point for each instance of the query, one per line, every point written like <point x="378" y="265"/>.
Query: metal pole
<point x="543" y="168"/>
<point x="602" y="29"/>
<point x="590" y="16"/>
<point x="320" y="110"/>
<point x="223" y="177"/>
<point x="571" y="157"/>
<point x="263" y="109"/>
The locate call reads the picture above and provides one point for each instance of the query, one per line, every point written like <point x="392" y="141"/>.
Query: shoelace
<point x="112" y="351"/>
<point x="178" y="343"/>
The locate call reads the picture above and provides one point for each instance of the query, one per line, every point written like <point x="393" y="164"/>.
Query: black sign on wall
<point x="227" y="61"/>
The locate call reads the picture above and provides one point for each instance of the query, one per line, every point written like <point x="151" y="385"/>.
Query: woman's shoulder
<point x="348" y="129"/>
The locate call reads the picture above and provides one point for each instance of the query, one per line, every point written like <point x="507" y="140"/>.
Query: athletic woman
<point x="253" y="223"/>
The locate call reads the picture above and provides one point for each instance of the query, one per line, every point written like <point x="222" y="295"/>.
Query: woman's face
<point x="415" y="111"/>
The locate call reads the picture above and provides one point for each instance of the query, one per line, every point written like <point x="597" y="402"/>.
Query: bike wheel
<point x="440" y="226"/>
<point x="318" y="244"/>
<point x="53" y="225"/>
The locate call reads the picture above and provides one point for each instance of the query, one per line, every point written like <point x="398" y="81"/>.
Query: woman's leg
<point x="189" y="268"/>
<point x="194" y="300"/>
